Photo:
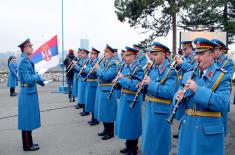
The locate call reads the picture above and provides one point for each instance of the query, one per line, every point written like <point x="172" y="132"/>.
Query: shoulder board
<point x="172" y="67"/>
<point x="222" y="70"/>
<point x="190" y="69"/>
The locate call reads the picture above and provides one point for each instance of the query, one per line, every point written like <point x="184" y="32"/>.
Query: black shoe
<point x="102" y="133"/>
<point x="125" y="150"/>
<point x="33" y="148"/>
<point x="89" y="122"/>
<point x="73" y="100"/>
<point x="35" y="145"/>
<point x="176" y="136"/>
<point x="84" y="113"/>
<point x="70" y="100"/>
<point x="94" y="123"/>
<point x="132" y="152"/>
<point x="13" y="94"/>
<point x="107" y="136"/>
<point x="77" y="106"/>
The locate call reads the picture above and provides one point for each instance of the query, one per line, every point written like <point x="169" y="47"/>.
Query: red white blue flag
<point x="47" y="55"/>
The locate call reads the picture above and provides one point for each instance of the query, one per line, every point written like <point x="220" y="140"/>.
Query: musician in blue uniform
<point x="91" y="85"/>
<point x="79" y="68"/>
<point x="183" y="64"/>
<point x="160" y="89"/>
<point x="75" y="78"/>
<point x="223" y="62"/>
<point x="186" y="62"/>
<point x="140" y="55"/>
<point x="203" y="99"/>
<point x="28" y="104"/>
<point x="220" y="58"/>
<point x="105" y="108"/>
<point x="12" y="80"/>
<point x="123" y="56"/>
<point x="128" y="123"/>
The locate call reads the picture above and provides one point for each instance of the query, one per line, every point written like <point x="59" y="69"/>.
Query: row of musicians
<point x="160" y="86"/>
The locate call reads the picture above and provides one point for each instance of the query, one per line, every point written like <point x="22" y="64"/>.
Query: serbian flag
<point x="46" y="56"/>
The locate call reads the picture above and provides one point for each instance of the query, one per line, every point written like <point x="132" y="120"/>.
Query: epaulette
<point x="190" y="69"/>
<point x="172" y="67"/>
<point x="222" y="70"/>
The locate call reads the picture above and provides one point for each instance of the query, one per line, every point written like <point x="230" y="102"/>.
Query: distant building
<point x="84" y="43"/>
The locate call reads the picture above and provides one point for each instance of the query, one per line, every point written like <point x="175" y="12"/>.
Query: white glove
<point x="42" y="71"/>
<point x="46" y="82"/>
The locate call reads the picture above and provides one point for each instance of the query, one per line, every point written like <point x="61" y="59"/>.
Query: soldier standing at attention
<point x="203" y="99"/>
<point x="28" y="104"/>
<point x="106" y="108"/>
<point x="91" y="85"/>
<point x="81" y="83"/>
<point x="128" y="124"/>
<point x="160" y="87"/>
<point x="75" y="77"/>
<point x="12" y="75"/>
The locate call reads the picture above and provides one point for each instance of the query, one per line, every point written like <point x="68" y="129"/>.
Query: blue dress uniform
<point x="201" y="128"/>
<point x="12" y="76"/>
<point x="128" y="123"/>
<point x="156" y="137"/>
<point x="224" y="63"/>
<point x="75" y="83"/>
<point x="105" y="109"/>
<point x="81" y="83"/>
<point x="28" y="104"/>
<point x="91" y="86"/>
<point x="141" y="58"/>
<point x="188" y="63"/>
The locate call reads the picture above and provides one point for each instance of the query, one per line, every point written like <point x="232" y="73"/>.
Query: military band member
<point x="220" y="58"/>
<point x="123" y="56"/>
<point x="105" y="108"/>
<point x="81" y="83"/>
<point x="69" y="74"/>
<point x="206" y="97"/>
<point x="161" y="85"/>
<point x="183" y="64"/>
<point x="186" y="62"/>
<point x="128" y="123"/>
<point x="28" y="104"/>
<point x="12" y="80"/>
<point x="140" y="55"/>
<point x="223" y="62"/>
<point x="116" y="56"/>
<point x="91" y="86"/>
<point x="75" y="78"/>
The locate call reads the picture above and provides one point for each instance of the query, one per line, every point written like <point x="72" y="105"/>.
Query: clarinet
<point x="83" y="67"/>
<point x="70" y="66"/>
<point x="115" y="81"/>
<point x="132" y="105"/>
<point x="93" y="69"/>
<point x="172" y="116"/>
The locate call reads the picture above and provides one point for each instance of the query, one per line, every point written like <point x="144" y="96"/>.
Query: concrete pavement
<point x="64" y="131"/>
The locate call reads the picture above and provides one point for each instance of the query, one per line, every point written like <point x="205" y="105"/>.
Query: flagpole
<point x="62" y="88"/>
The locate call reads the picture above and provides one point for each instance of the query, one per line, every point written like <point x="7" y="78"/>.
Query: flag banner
<point x="46" y="56"/>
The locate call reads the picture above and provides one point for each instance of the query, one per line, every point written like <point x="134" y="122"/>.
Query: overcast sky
<point x="40" y="20"/>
